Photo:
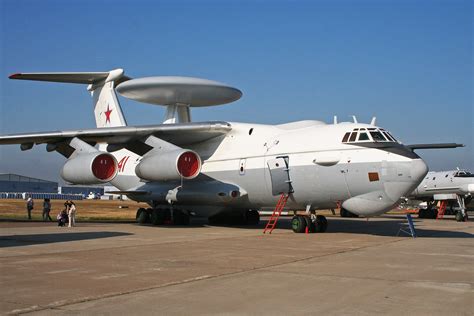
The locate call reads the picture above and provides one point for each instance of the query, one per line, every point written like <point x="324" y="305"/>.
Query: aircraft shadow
<point x="381" y="227"/>
<point x="36" y="239"/>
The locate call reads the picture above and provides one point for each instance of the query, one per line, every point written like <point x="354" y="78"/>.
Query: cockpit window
<point x="346" y="137"/>
<point x="377" y="136"/>
<point x="353" y="136"/>
<point x="369" y="134"/>
<point x="363" y="136"/>
<point x="463" y="174"/>
<point x="391" y="136"/>
<point x="387" y="136"/>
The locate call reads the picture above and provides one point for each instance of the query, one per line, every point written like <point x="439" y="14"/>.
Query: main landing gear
<point x="158" y="216"/>
<point x="311" y="224"/>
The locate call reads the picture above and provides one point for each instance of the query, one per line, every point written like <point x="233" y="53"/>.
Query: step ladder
<point x="442" y="209"/>
<point x="276" y="213"/>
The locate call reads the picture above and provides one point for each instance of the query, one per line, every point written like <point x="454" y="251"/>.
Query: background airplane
<point x="450" y="187"/>
<point x="223" y="169"/>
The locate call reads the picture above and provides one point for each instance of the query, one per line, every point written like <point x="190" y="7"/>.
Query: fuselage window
<point x="346" y="137"/>
<point x="378" y="137"/>
<point x="353" y="136"/>
<point x="363" y="136"/>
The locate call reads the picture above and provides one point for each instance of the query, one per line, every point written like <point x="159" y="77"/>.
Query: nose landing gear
<point x="310" y="223"/>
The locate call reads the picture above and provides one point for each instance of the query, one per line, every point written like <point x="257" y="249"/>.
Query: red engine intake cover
<point x="189" y="164"/>
<point x="104" y="167"/>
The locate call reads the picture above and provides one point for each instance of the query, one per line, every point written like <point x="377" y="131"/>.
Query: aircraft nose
<point x="418" y="170"/>
<point x="410" y="175"/>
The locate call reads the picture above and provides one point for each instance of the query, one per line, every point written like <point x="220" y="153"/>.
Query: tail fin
<point x="107" y="110"/>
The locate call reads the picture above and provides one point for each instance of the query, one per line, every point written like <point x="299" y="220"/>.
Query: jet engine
<point x="169" y="165"/>
<point x="90" y="168"/>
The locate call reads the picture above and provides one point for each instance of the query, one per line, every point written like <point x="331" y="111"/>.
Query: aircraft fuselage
<point x="252" y="164"/>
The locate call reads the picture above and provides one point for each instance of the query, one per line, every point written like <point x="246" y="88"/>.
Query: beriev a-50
<point x="211" y="169"/>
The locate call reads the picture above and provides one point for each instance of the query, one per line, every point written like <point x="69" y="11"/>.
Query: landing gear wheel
<point x="459" y="217"/>
<point x="321" y="224"/>
<point x="253" y="217"/>
<point x="310" y="225"/>
<point x="343" y="212"/>
<point x="346" y="213"/>
<point x="143" y="216"/>
<point x="434" y="214"/>
<point x="157" y="217"/>
<point x="298" y="224"/>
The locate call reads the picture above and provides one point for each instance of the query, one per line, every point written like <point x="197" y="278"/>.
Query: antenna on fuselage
<point x="335" y="120"/>
<point x="374" y="119"/>
<point x="354" y="118"/>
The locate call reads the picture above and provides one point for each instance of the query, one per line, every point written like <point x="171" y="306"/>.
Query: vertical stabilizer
<point x="107" y="110"/>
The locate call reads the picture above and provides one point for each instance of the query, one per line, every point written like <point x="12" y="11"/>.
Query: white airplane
<point x="449" y="186"/>
<point x="225" y="169"/>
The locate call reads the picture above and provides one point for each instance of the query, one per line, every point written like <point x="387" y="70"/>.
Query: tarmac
<point x="358" y="267"/>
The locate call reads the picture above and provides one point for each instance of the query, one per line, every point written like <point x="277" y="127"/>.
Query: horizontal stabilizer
<point x="72" y="77"/>
<point x="434" y="146"/>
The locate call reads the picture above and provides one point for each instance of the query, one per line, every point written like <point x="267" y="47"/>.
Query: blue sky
<point x="410" y="63"/>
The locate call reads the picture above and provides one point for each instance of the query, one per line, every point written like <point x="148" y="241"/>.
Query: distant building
<point x="84" y="190"/>
<point x="10" y="182"/>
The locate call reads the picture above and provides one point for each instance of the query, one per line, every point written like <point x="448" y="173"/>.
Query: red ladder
<point x="276" y="213"/>
<point x="442" y="209"/>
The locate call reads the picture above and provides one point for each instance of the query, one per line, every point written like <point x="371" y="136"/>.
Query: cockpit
<point x="370" y="134"/>
<point x="463" y="174"/>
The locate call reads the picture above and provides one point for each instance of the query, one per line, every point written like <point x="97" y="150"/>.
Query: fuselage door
<point x="280" y="175"/>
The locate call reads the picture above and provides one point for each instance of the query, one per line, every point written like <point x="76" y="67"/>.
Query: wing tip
<point x="14" y="76"/>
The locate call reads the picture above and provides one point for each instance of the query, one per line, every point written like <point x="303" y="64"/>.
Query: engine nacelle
<point x="90" y="168"/>
<point x="170" y="165"/>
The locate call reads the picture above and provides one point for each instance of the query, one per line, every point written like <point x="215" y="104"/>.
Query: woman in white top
<point x="72" y="214"/>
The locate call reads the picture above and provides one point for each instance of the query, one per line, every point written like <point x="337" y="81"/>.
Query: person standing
<point x="29" y="206"/>
<point x="72" y="214"/>
<point x="46" y="210"/>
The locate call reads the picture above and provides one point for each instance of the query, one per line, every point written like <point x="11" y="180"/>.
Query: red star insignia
<point x="107" y="114"/>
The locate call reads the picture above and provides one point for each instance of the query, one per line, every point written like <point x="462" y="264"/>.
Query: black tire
<point x="343" y="212"/>
<point x="459" y="217"/>
<point x="139" y="211"/>
<point x="352" y="215"/>
<point x="143" y="217"/>
<point x="421" y="213"/>
<point x="325" y="224"/>
<point x="253" y="217"/>
<point x="346" y="213"/>
<point x="298" y="224"/>
<point x="309" y="223"/>
<point x="321" y="224"/>
<point x="157" y="217"/>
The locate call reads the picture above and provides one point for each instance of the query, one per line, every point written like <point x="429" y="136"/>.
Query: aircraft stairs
<point x="271" y="224"/>
<point x="442" y="209"/>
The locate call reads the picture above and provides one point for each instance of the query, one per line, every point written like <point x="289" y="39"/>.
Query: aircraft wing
<point x="126" y="136"/>
<point x="434" y="146"/>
